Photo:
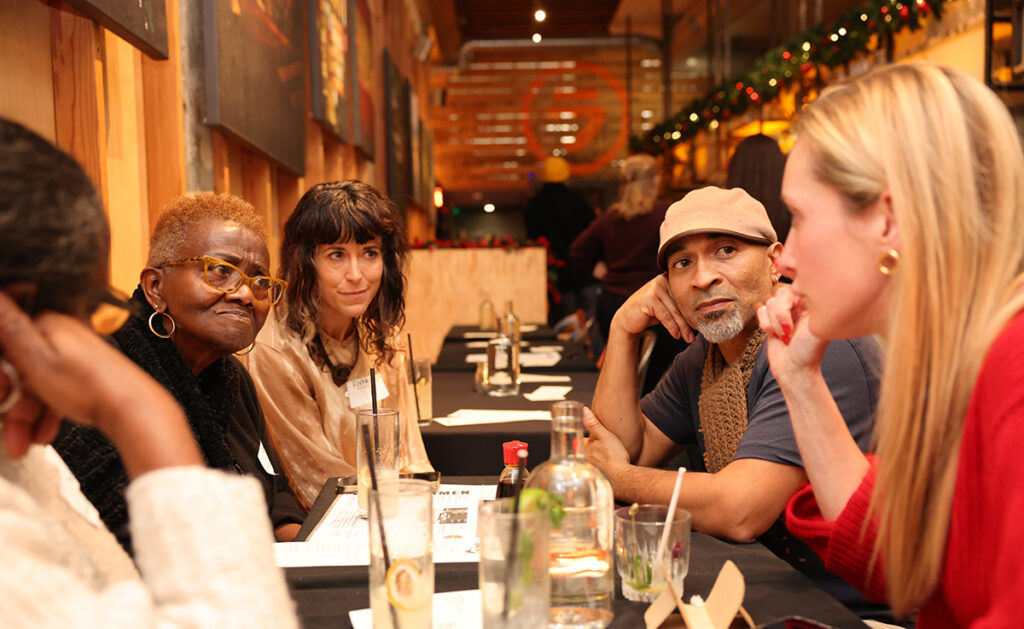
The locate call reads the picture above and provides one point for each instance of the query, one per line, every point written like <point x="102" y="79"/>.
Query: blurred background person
<point x="620" y="247"/>
<point x="204" y="294"/>
<point x="203" y="546"/>
<point x="756" y="166"/>
<point x="343" y="256"/>
<point x="559" y="214"/>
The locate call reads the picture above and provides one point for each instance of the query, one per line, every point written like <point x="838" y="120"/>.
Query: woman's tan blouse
<point x="309" y="418"/>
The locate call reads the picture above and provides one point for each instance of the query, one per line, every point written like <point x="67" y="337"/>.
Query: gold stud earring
<point x="888" y="262"/>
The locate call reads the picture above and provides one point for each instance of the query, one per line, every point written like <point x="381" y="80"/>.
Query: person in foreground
<point x="204" y="294"/>
<point x="203" y="544"/>
<point x="343" y="256"/>
<point x="719" y="249"/>
<point x="907" y="192"/>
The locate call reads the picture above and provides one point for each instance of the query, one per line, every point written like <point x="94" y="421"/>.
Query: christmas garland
<point x="851" y="35"/>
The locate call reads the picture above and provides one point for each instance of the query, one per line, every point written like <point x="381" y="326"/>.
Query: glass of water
<point x="522" y="578"/>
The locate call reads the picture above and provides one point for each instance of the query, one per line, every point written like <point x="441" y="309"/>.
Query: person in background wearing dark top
<point x="719" y="250"/>
<point x="620" y="248"/>
<point x="559" y="214"/>
<point x="757" y="166"/>
<point x="203" y="295"/>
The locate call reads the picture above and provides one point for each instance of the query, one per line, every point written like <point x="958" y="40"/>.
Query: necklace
<point x="339" y="373"/>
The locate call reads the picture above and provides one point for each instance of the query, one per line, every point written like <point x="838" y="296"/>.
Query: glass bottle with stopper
<point x="582" y="580"/>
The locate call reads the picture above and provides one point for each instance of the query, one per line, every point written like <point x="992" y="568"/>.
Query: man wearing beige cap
<point x="718" y="250"/>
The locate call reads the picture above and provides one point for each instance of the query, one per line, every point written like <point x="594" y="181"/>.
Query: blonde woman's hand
<point x="794" y="352"/>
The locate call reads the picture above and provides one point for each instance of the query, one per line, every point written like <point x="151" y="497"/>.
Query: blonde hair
<point x="946" y="149"/>
<point x="182" y="213"/>
<point x="639" y="187"/>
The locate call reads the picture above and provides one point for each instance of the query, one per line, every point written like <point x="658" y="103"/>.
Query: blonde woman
<point x="907" y="193"/>
<point x="620" y="248"/>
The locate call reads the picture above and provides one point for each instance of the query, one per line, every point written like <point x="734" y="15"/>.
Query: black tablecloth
<point x="458" y="333"/>
<point x="454" y="353"/>
<point x="774" y="589"/>
<point x="472" y="450"/>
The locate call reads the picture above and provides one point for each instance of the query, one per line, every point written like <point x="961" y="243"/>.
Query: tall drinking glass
<point x="385" y="429"/>
<point x="401" y="554"/>
<point x="638" y="534"/>
<point x="529" y="597"/>
<point x="423" y="382"/>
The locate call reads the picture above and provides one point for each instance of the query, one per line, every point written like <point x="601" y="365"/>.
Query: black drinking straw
<point x="513" y="550"/>
<point x="380" y="514"/>
<point x="376" y="425"/>
<point x="412" y="374"/>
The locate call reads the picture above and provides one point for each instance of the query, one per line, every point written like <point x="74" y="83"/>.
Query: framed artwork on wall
<point x="254" y="85"/>
<point x="361" y="79"/>
<point x="329" y="82"/>
<point x="142" y="23"/>
<point x="397" y="123"/>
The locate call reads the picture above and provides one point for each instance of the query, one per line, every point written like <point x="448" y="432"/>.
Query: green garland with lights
<point x="800" y="55"/>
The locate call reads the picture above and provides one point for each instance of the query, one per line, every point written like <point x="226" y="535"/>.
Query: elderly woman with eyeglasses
<point x="203" y="296"/>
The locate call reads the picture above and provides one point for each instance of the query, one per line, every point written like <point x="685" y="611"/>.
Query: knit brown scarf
<point x="723" y="402"/>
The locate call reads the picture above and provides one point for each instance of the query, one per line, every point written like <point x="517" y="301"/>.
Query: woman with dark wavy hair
<point x="343" y="257"/>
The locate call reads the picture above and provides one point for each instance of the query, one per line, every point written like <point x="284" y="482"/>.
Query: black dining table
<point x="774" y="589"/>
<point x="476" y="450"/>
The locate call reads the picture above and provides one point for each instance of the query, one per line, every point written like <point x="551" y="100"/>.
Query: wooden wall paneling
<point x="258" y="189"/>
<point x="289" y="190"/>
<point x="76" y="46"/>
<point x="164" y="123"/>
<point x="127" y="200"/>
<point x="315" y="160"/>
<point x="221" y="176"/>
<point x="446" y="287"/>
<point x="27" y="69"/>
<point x="333" y="166"/>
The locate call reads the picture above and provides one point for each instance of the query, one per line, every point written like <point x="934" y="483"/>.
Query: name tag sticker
<point x="265" y="460"/>
<point x="359" y="391"/>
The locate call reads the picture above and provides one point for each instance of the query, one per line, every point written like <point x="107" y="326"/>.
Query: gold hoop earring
<point x="251" y="347"/>
<point x="169" y="318"/>
<point x="888" y="262"/>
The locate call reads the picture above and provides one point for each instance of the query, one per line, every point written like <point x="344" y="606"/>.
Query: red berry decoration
<point x="904" y="12"/>
<point x="924" y="8"/>
<point x="885" y="10"/>
<point x="806" y="66"/>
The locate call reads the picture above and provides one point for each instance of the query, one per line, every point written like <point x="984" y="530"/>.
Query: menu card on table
<point x="342" y="537"/>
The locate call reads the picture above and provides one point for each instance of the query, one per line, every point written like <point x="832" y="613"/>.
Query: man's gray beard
<point x="722" y="327"/>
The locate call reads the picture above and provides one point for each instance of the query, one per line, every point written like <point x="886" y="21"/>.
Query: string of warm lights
<point x="855" y="32"/>
<point x="539" y="15"/>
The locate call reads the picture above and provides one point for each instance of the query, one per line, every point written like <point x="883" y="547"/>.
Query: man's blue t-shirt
<point x="850" y="369"/>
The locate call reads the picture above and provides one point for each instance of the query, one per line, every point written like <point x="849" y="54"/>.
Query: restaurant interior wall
<point x="122" y="115"/>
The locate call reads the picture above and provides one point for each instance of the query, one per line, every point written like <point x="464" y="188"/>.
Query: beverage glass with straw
<point x="514" y="580"/>
<point x="384" y="426"/>
<point x="401" y="551"/>
<point x="422" y="384"/>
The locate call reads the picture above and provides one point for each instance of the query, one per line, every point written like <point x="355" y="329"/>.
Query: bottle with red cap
<point x="510" y="475"/>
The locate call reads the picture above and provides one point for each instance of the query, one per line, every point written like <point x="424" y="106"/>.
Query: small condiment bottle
<point x="510" y="475"/>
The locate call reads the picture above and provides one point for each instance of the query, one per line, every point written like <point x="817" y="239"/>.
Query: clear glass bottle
<point x="509" y="324"/>
<point x="502" y="366"/>
<point x="487" y="318"/>
<point x="510" y="475"/>
<point x="582" y="578"/>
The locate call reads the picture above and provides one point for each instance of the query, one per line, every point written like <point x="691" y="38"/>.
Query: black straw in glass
<point x="373" y="402"/>
<point x="513" y="550"/>
<point x="412" y="374"/>
<point x="380" y="514"/>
